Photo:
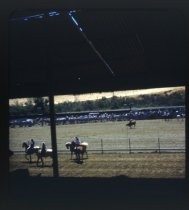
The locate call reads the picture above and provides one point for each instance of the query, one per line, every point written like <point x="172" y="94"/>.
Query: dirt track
<point x="108" y="165"/>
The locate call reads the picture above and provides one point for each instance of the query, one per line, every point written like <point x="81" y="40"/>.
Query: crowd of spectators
<point x="103" y="116"/>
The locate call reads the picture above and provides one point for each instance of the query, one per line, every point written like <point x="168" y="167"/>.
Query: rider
<point x="44" y="148"/>
<point x="77" y="142"/>
<point x="31" y="145"/>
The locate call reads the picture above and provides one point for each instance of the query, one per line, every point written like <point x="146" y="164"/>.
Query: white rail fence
<point x="119" y="145"/>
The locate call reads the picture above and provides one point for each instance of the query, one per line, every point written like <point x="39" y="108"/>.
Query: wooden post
<point x="159" y="145"/>
<point x="127" y="130"/>
<point x="53" y="136"/>
<point x="102" y="146"/>
<point x="129" y="146"/>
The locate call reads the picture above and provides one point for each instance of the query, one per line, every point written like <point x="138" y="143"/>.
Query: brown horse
<point x="78" y="150"/>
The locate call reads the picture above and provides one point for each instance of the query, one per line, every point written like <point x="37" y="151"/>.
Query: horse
<point x="131" y="124"/>
<point x="78" y="150"/>
<point x="30" y="151"/>
<point x="44" y="152"/>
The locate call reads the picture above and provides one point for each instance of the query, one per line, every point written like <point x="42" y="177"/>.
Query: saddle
<point x="78" y="147"/>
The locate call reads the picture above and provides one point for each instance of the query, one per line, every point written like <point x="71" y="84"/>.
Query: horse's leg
<point x="77" y="156"/>
<point x="29" y="159"/>
<point x="37" y="160"/>
<point x="42" y="161"/>
<point x="26" y="156"/>
<point x="41" y="158"/>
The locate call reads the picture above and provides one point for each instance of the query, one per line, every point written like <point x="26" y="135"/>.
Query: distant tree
<point x="89" y="105"/>
<point x="103" y="103"/>
<point x="29" y="104"/>
<point x="114" y="102"/>
<point x="41" y="105"/>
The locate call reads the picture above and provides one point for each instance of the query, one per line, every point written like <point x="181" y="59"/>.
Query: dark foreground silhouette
<point x="96" y="193"/>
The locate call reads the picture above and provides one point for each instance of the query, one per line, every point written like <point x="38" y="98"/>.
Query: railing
<point x="122" y="145"/>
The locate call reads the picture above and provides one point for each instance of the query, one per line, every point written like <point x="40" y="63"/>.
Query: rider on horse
<point x="44" y="148"/>
<point x="31" y="145"/>
<point x="77" y="142"/>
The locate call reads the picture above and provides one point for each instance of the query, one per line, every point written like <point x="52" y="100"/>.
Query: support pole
<point x="53" y="136"/>
<point x="102" y="146"/>
<point x="187" y="133"/>
<point x="129" y="146"/>
<point x="159" y="149"/>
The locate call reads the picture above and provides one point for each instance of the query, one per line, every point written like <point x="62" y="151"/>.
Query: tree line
<point x="40" y="105"/>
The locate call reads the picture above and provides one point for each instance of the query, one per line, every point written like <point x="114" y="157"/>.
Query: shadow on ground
<point x="96" y="193"/>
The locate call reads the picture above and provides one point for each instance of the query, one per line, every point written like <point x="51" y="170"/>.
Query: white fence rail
<point x="128" y="145"/>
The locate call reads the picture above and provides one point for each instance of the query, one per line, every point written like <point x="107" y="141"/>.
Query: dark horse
<point x="131" y="124"/>
<point x="43" y="153"/>
<point x="30" y="151"/>
<point x="78" y="150"/>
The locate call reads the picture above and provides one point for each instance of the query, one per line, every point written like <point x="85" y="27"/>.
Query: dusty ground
<point x="108" y="165"/>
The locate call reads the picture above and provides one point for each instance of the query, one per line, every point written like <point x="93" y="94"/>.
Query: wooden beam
<point x="187" y="133"/>
<point x="53" y="136"/>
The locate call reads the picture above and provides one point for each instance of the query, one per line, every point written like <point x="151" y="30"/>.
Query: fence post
<point x="159" y="145"/>
<point x="102" y="146"/>
<point x="129" y="146"/>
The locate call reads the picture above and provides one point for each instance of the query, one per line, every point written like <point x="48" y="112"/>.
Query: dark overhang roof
<point x="50" y="55"/>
